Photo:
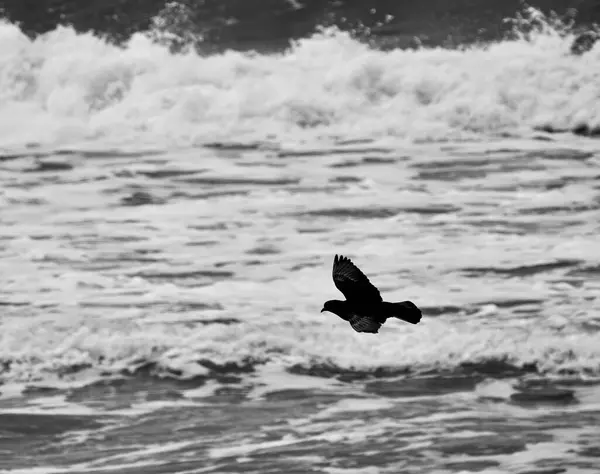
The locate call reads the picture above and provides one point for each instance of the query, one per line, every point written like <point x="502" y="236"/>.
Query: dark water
<point x="436" y="424"/>
<point x="267" y="24"/>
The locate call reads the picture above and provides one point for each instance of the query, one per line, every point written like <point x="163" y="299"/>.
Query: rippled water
<point x="211" y="265"/>
<point x="167" y="230"/>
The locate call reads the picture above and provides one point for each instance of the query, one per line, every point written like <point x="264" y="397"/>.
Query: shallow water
<point x="211" y="266"/>
<point x="167" y="229"/>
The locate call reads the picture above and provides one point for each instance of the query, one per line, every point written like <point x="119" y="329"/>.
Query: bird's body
<point x="364" y="308"/>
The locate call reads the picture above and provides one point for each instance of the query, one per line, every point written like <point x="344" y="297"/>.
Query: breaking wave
<point x="67" y="88"/>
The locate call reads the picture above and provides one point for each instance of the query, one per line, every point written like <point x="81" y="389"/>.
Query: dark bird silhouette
<point x="364" y="308"/>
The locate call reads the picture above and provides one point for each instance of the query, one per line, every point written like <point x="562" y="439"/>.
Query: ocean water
<point x="167" y="229"/>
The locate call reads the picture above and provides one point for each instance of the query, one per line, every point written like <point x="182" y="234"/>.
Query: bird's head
<point x="333" y="306"/>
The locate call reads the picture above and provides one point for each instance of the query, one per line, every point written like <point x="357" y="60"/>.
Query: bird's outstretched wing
<point x="353" y="283"/>
<point x="364" y="324"/>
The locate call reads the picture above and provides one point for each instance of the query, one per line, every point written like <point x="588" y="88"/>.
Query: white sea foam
<point x="64" y="88"/>
<point x="94" y="285"/>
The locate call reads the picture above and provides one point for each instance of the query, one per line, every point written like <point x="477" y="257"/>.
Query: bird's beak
<point x="322" y="310"/>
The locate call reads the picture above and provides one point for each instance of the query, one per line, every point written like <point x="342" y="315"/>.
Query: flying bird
<point x="364" y="308"/>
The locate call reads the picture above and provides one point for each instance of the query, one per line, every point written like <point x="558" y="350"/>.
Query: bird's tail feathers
<point x="404" y="310"/>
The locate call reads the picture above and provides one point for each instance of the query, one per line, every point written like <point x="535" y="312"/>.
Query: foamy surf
<point x="240" y="283"/>
<point x="65" y="87"/>
<point x="210" y="350"/>
<point x="167" y="229"/>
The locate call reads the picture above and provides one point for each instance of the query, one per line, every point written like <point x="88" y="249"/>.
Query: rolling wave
<point x="66" y="88"/>
<point x="211" y="347"/>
